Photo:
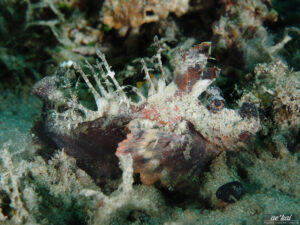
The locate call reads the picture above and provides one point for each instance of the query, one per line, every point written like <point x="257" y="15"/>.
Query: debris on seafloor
<point x="241" y="21"/>
<point x="240" y="34"/>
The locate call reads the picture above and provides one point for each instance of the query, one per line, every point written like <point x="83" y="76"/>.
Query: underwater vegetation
<point x="148" y="112"/>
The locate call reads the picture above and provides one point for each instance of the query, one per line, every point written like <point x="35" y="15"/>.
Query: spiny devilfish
<point x="171" y="134"/>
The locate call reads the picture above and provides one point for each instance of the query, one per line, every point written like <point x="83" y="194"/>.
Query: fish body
<point x="171" y="134"/>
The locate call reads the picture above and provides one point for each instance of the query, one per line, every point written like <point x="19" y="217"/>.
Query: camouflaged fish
<point x="171" y="134"/>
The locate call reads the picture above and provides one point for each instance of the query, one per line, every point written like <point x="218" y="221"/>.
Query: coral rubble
<point x="134" y="13"/>
<point x="241" y="21"/>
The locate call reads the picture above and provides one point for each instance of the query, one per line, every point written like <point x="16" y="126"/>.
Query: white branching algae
<point x="126" y="198"/>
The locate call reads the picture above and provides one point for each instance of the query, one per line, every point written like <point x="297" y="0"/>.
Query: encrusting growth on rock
<point x="134" y="13"/>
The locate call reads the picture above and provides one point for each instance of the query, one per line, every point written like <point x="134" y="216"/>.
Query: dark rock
<point x="230" y="192"/>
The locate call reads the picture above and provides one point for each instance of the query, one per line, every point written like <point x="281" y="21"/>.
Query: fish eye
<point x="212" y="99"/>
<point x="216" y="105"/>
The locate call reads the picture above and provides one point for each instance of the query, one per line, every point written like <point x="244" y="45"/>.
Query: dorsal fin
<point x="193" y="67"/>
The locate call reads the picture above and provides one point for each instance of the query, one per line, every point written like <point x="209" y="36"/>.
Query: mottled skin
<point x="171" y="135"/>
